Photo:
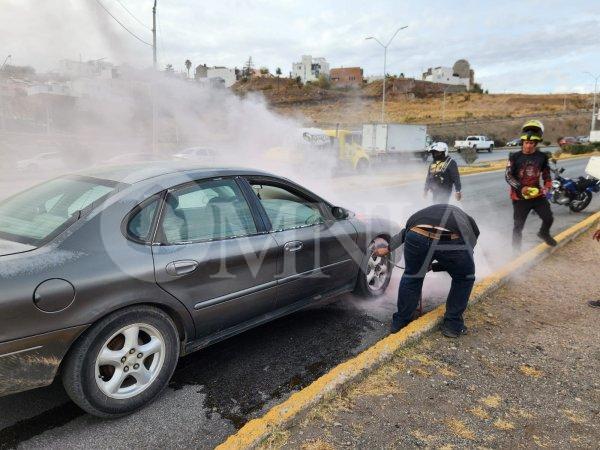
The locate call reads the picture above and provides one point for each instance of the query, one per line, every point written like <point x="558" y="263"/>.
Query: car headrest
<point x="172" y="201"/>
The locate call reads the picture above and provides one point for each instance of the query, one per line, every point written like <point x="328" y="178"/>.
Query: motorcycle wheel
<point x="581" y="202"/>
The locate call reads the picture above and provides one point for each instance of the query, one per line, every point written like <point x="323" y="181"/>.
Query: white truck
<point x="394" y="139"/>
<point x="476" y="142"/>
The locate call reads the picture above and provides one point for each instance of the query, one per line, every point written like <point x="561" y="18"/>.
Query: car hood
<point x="10" y="247"/>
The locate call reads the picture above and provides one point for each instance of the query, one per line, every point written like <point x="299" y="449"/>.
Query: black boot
<point x="547" y="239"/>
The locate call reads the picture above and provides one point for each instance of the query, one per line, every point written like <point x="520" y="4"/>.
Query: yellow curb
<point x="256" y="430"/>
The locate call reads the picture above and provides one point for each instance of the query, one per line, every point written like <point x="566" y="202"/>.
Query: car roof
<point x="134" y="173"/>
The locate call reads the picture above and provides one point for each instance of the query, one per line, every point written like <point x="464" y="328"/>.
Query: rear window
<point x="38" y="214"/>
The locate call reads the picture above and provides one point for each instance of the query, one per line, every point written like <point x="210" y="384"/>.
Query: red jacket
<point x="526" y="170"/>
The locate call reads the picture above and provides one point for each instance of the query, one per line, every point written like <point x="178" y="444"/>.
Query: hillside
<point x="498" y="115"/>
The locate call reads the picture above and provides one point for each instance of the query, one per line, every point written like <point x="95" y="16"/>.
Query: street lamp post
<point x="385" y="66"/>
<point x="595" y="77"/>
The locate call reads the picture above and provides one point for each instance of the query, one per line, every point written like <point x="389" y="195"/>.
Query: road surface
<point x="218" y="389"/>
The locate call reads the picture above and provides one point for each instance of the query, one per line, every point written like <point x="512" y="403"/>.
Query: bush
<point x="324" y="82"/>
<point x="579" y="149"/>
<point x="469" y="155"/>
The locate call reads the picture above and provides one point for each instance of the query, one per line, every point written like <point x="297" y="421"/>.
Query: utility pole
<point x="444" y="104"/>
<point x="595" y="77"/>
<point x="4" y="63"/>
<point x="152" y="87"/>
<point x="385" y="66"/>
<point x="154" y="34"/>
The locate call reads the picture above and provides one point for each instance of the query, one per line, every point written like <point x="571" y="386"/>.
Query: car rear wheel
<point x="375" y="274"/>
<point x="490" y="148"/>
<point x="122" y="362"/>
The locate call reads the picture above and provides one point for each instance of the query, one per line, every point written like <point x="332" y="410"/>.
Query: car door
<point x="317" y="253"/>
<point x="213" y="255"/>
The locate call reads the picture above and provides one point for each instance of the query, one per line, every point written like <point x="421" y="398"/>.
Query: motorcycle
<point x="576" y="194"/>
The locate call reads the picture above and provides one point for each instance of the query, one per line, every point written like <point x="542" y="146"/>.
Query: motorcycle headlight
<point x="556" y="184"/>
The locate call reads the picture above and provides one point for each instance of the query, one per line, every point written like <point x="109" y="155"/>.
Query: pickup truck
<point x="476" y="142"/>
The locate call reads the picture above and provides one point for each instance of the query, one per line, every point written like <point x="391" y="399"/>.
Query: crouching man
<point x="440" y="237"/>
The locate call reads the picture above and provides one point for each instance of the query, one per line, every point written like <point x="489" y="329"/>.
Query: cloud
<point x="497" y="38"/>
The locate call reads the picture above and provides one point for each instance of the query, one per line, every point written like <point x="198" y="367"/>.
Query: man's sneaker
<point x="594" y="303"/>
<point x="452" y="333"/>
<point x="547" y="239"/>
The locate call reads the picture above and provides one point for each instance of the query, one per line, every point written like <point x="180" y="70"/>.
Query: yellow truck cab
<point x="348" y="145"/>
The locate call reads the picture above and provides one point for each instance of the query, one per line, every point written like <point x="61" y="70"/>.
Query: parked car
<point x="476" y="142"/>
<point x="583" y="139"/>
<point x="198" y="154"/>
<point x="112" y="274"/>
<point x="514" y="143"/>
<point x="567" y="140"/>
<point x="45" y="161"/>
<point x="134" y="157"/>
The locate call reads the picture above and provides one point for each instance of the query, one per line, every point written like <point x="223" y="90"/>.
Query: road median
<point x="257" y="430"/>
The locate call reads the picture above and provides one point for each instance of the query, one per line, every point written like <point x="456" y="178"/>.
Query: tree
<point x="188" y="66"/>
<point x="476" y="88"/>
<point x="169" y="68"/>
<point x="264" y="70"/>
<point x="278" y="73"/>
<point x="247" y="71"/>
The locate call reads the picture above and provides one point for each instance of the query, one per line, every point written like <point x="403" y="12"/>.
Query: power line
<point x="124" y="27"/>
<point x="132" y="15"/>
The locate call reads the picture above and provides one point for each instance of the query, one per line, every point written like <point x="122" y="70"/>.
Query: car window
<point x="35" y="215"/>
<point x="141" y="223"/>
<point x="285" y="209"/>
<point x="214" y="209"/>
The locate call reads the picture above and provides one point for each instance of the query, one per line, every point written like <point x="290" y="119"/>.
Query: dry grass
<point x="460" y="429"/>
<point x="492" y="401"/>
<point x="459" y="107"/>
<point x="503" y="425"/>
<point x="479" y="412"/>
<point x="317" y="444"/>
<point x="530" y="371"/>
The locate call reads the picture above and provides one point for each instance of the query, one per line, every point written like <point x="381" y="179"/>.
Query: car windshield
<point x="38" y="214"/>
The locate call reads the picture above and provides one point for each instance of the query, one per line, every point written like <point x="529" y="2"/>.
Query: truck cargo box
<point x="381" y="138"/>
<point x="593" y="167"/>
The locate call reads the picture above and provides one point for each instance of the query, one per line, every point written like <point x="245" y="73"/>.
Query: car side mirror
<point x="339" y="213"/>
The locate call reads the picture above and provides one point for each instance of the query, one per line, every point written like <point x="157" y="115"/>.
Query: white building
<point x="309" y="68"/>
<point x="228" y="75"/>
<point x="459" y="74"/>
<point x="93" y="68"/>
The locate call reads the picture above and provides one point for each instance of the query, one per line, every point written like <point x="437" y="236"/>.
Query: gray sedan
<point x="108" y="277"/>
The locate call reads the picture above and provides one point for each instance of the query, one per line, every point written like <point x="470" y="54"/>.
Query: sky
<point x="525" y="46"/>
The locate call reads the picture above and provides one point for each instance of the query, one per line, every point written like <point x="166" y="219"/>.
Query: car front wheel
<point x="122" y="362"/>
<point x="375" y="274"/>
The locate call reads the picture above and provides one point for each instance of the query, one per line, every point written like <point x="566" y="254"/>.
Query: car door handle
<point x="183" y="267"/>
<point x="293" y="246"/>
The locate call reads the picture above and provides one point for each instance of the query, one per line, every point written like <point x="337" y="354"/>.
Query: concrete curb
<point x="256" y="430"/>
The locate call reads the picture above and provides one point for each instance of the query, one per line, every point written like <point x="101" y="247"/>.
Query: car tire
<point x="143" y="371"/>
<point x="490" y="148"/>
<point x="375" y="272"/>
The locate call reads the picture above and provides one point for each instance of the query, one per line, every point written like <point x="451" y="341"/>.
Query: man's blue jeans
<point x="456" y="259"/>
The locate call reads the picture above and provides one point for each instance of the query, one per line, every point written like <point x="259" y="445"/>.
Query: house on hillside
<point x="346" y="77"/>
<point x="459" y="74"/>
<point x="203" y="73"/>
<point x="309" y="68"/>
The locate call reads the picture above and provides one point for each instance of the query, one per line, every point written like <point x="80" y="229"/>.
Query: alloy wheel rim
<point x="377" y="272"/>
<point x="129" y="361"/>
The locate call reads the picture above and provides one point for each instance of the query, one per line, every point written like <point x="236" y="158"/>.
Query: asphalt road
<point x="217" y="390"/>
